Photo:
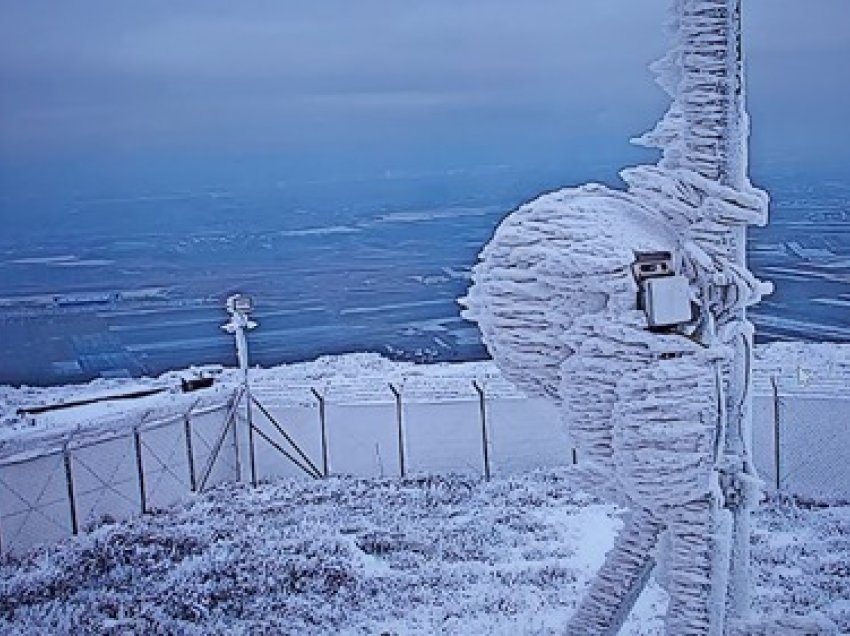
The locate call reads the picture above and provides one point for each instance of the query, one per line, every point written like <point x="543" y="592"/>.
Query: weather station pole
<point x="723" y="157"/>
<point x="739" y="425"/>
<point x="239" y="306"/>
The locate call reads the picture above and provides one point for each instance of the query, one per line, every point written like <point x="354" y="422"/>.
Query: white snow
<point x="424" y="555"/>
<point x="541" y="540"/>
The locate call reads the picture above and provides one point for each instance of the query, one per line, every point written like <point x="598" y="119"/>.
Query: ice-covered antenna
<point x="715" y="134"/>
<point x="706" y="132"/>
<point x="239" y="306"/>
<point x="661" y="421"/>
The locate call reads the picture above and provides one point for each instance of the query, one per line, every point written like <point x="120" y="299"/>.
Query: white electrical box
<point x="667" y="301"/>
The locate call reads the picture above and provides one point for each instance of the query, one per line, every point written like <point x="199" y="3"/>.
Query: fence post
<point x="243" y="439"/>
<point x="398" y="417"/>
<point x="190" y="455"/>
<point x="252" y="454"/>
<point x="69" y="480"/>
<point x="140" y="469"/>
<point x="484" y="443"/>
<point x="323" y="423"/>
<point x="249" y="414"/>
<point x="777" y="448"/>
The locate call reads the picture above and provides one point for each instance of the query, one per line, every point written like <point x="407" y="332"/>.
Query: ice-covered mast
<point x="660" y="420"/>
<point x="706" y="131"/>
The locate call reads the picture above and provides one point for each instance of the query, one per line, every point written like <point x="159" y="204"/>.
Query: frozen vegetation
<point x="418" y="556"/>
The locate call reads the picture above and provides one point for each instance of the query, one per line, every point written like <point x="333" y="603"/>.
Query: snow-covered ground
<point x="430" y="554"/>
<point x="797" y="368"/>
<point x="422" y="555"/>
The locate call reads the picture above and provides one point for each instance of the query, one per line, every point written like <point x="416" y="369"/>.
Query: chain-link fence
<point x="801" y="439"/>
<point x="58" y="492"/>
<point x="444" y="427"/>
<point x="801" y="442"/>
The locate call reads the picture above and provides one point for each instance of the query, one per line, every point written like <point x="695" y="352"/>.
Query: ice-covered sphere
<point x="556" y="302"/>
<point x="561" y="257"/>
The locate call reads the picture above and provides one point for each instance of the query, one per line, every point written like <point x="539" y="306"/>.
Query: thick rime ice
<point x="659" y="420"/>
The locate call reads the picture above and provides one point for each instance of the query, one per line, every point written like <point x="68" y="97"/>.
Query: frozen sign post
<point x="627" y="308"/>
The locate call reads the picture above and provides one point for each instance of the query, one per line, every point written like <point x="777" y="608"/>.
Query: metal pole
<point x="69" y="480"/>
<point x="723" y="157"/>
<point x="245" y="436"/>
<point x="739" y="593"/>
<point x="399" y="424"/>
<point x="777" y="454"/>
<point x="238" y="466"/>
<point x="190" y="456"/>
<point x="323" y="424"/>
<point x="251" y="451"/>
<point x="484" y="442"/>
<point x="239" y="306"/>
<point x="137" y="444"/>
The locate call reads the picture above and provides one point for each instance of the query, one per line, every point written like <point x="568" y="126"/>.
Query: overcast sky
<point x="116" y="78"/>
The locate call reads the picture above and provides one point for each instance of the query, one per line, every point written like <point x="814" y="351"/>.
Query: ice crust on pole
<point x="660" y="421"/>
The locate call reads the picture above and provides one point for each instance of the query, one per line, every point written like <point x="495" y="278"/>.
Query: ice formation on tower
<point x="660" y="420"/>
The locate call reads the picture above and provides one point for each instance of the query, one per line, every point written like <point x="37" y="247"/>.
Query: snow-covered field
<point x="424" y="555"/>
<point x="430" y="554"/>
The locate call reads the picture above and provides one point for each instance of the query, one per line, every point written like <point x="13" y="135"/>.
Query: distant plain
<point x="133" y="282"/>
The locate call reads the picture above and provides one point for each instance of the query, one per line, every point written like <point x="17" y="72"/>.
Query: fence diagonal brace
<point x="282" y="451"/>
<point x="217" y="447"/>
<point x="285" y="435"/>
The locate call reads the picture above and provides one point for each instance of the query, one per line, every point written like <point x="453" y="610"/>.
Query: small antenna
<point x="239" y="306"/>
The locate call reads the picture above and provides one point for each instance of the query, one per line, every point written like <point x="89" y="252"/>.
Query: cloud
<point x="797" y="26"/>
<point x="125" y="73"/>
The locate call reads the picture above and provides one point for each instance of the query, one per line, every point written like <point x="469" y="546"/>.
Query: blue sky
<point x="388" y="84"/>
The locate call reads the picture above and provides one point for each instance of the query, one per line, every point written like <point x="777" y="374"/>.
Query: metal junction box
<point x="668" y="301"/>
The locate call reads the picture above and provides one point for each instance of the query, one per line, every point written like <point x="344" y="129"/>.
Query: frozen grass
<point x="345" y="556"/>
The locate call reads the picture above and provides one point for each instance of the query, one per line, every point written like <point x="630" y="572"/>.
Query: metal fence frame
<point x="803" y="442"/>
<point x="86" y="482"/>
<point x="192" y="458"/>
